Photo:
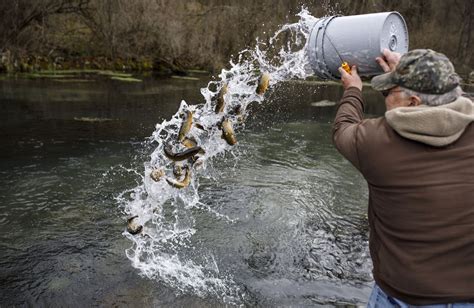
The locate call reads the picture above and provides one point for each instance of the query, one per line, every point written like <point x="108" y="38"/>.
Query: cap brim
<point x="383" y="82"/>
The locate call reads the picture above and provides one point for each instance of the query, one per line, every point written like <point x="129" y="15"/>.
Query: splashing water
<point x="165" y="211"/>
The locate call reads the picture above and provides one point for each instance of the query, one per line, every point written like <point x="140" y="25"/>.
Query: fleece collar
<point x="436" y="126"/>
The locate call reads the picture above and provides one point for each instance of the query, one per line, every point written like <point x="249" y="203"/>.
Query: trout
<point x="132" y="226"/>
<point x="186" y="126"/>
<point x="228" y="132"/>
<point x="220" y="99"/>
<point x="263" y="83"/>
<point x="182" y="155"/>
<point x="238" y="110"/>
<point x="240" y="117"/>
<point x="181" y="184"/>
<point x="177" y="170"/>
<point x="157" y="174"/>
<point x="198" y="162"/>
<point x="200" y="126"/>
<point x="189" y="142"/>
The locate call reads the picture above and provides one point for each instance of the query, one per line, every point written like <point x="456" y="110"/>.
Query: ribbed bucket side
<point x="357" y="39"/>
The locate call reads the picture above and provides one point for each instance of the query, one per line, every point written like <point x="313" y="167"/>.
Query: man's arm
<point x="351" y="108"/>
<point x="349" y="114"/>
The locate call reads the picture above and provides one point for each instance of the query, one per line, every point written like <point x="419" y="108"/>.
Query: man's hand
<point x="389" y="60"/>
<point x="350" y="80"/>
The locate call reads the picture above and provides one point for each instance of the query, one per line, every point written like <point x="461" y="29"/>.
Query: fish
<point x="220" y="99"/>
<point x="197" y="160"/>
<point x="177" y="170"/>
<point x="263" y="83"/>
<point x="157" y="174"/>
<point x="238" y="111"/>
<point x="200" y="126"/>
<point x="240" y="119"/>
<point x="182" y="155"/>
<point x="133" y="227"/>
<point x="181" y="184"/>
<point x="228" y="132"/>
<point x="189" y="142"/>
<point x="186" y="126"/>
<point x="197" y="164"/>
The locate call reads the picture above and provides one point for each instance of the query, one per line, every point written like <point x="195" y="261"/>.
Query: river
<point x="285" y="218"/>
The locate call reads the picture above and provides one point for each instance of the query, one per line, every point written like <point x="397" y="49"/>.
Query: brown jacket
<point x="421" y="200"/>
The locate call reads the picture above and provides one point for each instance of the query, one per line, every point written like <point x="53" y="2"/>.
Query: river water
<point x="282" y="219"/>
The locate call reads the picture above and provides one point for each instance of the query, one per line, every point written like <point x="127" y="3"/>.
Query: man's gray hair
<point x="436" y="99"/>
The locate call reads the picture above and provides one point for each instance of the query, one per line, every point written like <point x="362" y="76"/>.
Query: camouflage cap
<point x="421" y="70"/>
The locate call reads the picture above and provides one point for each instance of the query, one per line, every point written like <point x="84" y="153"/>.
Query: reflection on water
<point x="297" y="232"/>
<point x="130" y="106"/>
<point x="300" y="216"/>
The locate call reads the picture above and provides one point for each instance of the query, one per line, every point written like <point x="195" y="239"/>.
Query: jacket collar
<point x="436" y="126"/>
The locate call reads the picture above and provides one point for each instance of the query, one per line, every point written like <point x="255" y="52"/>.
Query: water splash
<point x="164" y="251"/>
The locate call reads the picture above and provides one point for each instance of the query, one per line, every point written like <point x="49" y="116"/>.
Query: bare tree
<point x="467" y="16"/>
<point x="180" y="34"/>
<point x="18" y="15"/>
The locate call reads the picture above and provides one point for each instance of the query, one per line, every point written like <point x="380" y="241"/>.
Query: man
<point x="418" y="161"/>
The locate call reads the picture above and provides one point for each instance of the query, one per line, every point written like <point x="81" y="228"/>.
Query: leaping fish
<point x="228" y="132"/>
<point x="189" y="142"/>
<point x="263" y="83"/>
<point x="157" y="174"/>
<point x="186" y="126"/>
<point x="177" y="170"/>
<point x="181" y="155"/>
<point x="132" y="226"/>
<point x="181" y="184"/>
<point x="220" y="99"/>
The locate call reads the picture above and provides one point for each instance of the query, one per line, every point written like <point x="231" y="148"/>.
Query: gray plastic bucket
<point x="358" y="39"/>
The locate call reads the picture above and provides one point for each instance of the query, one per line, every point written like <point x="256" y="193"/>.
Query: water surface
<point x="285" y="217"/>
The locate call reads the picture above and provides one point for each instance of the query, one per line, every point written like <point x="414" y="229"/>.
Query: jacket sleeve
<point x="349" y="115"/>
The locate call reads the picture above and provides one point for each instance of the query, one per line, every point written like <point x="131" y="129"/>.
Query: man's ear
<point x="414" y="101"/>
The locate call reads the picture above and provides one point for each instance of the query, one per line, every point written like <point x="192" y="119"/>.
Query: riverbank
<point x="46" y="65"/>
<point x="91" y="75"/>
<point x="39" y="67"/>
